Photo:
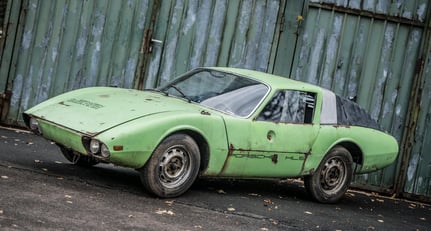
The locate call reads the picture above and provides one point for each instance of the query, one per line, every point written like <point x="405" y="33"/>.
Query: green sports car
<point x="219" y="122"/>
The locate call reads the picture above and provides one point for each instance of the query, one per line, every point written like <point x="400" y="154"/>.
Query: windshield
<point x="221" y="91"/>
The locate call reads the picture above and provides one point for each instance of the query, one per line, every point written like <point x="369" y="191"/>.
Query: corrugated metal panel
<point x="416" y="171"/>
<point x="369" y="60"/>
<point x="211" y="33"/>
<point x="408" y="9"/>
<point x="6" y="51"/>
<point x="3" y="4"/>
<point x="74" y="44"/>
<point x="418" y="174"/>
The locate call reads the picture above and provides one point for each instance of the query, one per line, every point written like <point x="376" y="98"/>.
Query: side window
<point x="290" y="106"/>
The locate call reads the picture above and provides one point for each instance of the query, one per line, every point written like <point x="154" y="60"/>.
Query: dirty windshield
<point x="221" y="91"/>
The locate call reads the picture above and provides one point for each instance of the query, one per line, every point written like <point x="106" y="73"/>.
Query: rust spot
<point x="62" y="103"/>
<point x="305" y="160"/>
<point x="206" y="113"/>
<point x="226" y="162"/>
<point x="341" y="126"/>
<point x="231" y="149"/>
<point x="274" y="159"/>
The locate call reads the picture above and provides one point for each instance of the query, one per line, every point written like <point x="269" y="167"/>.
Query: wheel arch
<point x="355" y="151"/>
<point x="202" y="144"/>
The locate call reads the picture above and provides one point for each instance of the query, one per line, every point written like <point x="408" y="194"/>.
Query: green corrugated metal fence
<point x="362" y="57"/>
<point x="210" y="33"/>
<point x="374" y="52"/>
<point x="64" y="44"/>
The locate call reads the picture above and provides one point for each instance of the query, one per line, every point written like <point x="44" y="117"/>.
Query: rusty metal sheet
<point x="67" y="45"/>
<point x="211" y="33"/>
<point x="366" y="59"/>
<point x="415" y="10"/>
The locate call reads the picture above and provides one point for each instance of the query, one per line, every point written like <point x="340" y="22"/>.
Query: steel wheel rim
<point x="174" y="167"/>
<point x="333" y="175"/>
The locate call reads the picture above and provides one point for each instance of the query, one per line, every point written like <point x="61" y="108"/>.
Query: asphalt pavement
<point x="40" y="190"/>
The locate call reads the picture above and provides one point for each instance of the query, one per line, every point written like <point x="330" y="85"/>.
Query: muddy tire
<point x="172" y="168"/>
<point x="332" y="178"/>
<point x="78" y="159"/>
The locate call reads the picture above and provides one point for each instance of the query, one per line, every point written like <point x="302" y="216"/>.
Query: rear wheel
<point x="173" y="167"/>
<point x="77" y="158"/>
<point x="332" y="178"/>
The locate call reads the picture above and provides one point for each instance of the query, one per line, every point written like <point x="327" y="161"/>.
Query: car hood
<point x="94" y="110"/>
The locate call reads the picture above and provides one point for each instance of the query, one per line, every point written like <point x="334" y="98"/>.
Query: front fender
<point x="140" y="137"/>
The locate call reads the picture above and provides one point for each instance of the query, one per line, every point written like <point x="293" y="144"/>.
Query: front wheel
<point x="332" y="178"/>
<point x="173" y="167"/>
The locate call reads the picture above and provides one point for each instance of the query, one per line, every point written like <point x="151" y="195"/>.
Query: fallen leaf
<point x="44" y="169"/>
<point x="68" y="196"/>
<point x="29" y="143"/>
<point x="307" y="212"/>
<point x="130" y="216"/>
<point x="162" y="212"/>
<point x="423" y="218"/>
<point x="220" y="191"/>
<point x="268" y="201"/>
<point x="170" y="203"/>
<point x="198" y="226"/>
<point x="37" y="161"/>
<point x="230" y="209"/>
<point x="254" y="194"/>
<point x="264" y="229"/>
<point x="4" y="177"/>
<point x="69" y="202"/>
<point x="274" y="221"/>
<point x="349" y="194"/>
<point x="381" y="221"/>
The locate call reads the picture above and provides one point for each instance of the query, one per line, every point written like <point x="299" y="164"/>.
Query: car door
<point x="277" y="141"/>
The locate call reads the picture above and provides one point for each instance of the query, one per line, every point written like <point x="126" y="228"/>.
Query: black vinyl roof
<point x="351" y="114"/>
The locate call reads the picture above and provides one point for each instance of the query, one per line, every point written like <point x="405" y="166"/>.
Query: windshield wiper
<point x="156" y="90"/>
<point x="181" y="93"/>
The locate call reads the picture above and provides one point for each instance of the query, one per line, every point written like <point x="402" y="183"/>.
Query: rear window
<point x="351" y="114"/>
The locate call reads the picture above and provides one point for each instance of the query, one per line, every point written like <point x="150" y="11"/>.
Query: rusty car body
<point x="219" y="122"/>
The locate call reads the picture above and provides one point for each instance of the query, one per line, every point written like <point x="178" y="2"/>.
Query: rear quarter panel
<point x="379" y="149"/>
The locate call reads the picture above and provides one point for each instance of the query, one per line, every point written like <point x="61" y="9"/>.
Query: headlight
<point x="34" y="126"/>
<point x="94" y="146"/>
<point x="105" y="151"/>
